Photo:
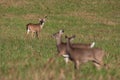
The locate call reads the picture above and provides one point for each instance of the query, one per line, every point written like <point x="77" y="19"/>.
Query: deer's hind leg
<point x="76" y="64"/>
<point x="27" y="33"/>
<point x="38" y="34"/>
<point x="98" y="64"/>
<point x="32" y="34"/>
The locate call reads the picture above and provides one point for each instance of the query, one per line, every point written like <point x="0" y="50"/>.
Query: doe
<point x="83" y="55"/>
<point x="61" y="46"/>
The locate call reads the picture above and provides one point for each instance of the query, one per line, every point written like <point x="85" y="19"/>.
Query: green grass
<point x="89" y="20"/>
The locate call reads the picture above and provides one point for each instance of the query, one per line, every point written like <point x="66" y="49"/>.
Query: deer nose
<point x="61" y="31"/>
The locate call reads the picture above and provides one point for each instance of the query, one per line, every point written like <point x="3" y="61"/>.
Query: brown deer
<point x="61" y="46"/>
<point x="35" y="28"/>
<point x="83" y="55"/>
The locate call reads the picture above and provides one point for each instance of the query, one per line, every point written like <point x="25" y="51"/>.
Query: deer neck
<point x="59" y="41"/>
<point x="41" y="25"/>
<point x="69" y="47"/>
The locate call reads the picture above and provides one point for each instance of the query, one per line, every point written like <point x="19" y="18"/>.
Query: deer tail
<point x="27" y="27"/>
<point x="92" y="45"/>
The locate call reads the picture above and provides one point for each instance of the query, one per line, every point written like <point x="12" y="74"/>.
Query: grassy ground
<point x="89" y="20"/>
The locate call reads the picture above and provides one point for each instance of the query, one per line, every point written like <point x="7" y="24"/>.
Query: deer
<point x="35" y="29"/>
<point x="61" y="46"/>
<point x="83" y="55"/>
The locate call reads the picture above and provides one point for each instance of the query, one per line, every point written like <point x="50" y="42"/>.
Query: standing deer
<point x="35" y="28"/>
<point x="61" y="46"/>
<point x="83" y="55"/>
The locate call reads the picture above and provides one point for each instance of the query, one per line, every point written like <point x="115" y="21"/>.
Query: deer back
<point x="83" y="54"/>
<point x="34" y="27"/>
<point x="80" y="45"/>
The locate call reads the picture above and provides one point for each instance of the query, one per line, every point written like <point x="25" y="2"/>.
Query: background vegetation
<point x="89" y="20"/>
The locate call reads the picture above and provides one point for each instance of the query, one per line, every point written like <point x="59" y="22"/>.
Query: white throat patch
<point x="42" y="25"/>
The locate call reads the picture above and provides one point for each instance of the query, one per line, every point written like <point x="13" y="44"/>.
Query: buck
<point x="35" y="28"/>
<point x="83" y="55"/>
<point x="61" y="46"/>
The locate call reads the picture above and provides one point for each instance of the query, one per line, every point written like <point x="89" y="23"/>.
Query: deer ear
<point x="61" y="31"/>
<point x="66" y="37"/>
<point x="45" y="16"/>
<point x="73" y="36"/>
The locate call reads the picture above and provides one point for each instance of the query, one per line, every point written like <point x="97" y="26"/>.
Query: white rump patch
<point x="66" y="56"/>
<point x="28" y="31"/>
<point x="92" y="45"/>
<point x="42" y="25"/>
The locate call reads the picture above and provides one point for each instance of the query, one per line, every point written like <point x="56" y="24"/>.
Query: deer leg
<point x="32" y="34"/>
<point x="77" y="63"/>
<point x="27" y="33"/>
<point x="37" y="35"/>
<point x="66" y="59"/>
<point x="98" y="64"/>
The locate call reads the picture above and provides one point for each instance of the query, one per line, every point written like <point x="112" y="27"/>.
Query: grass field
<point x="89" y="20"/>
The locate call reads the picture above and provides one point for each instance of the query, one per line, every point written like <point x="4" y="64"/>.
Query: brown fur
<point x="35" y="28"/>
<point x="61" y="46"/>
<point x="83" y="55"/>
